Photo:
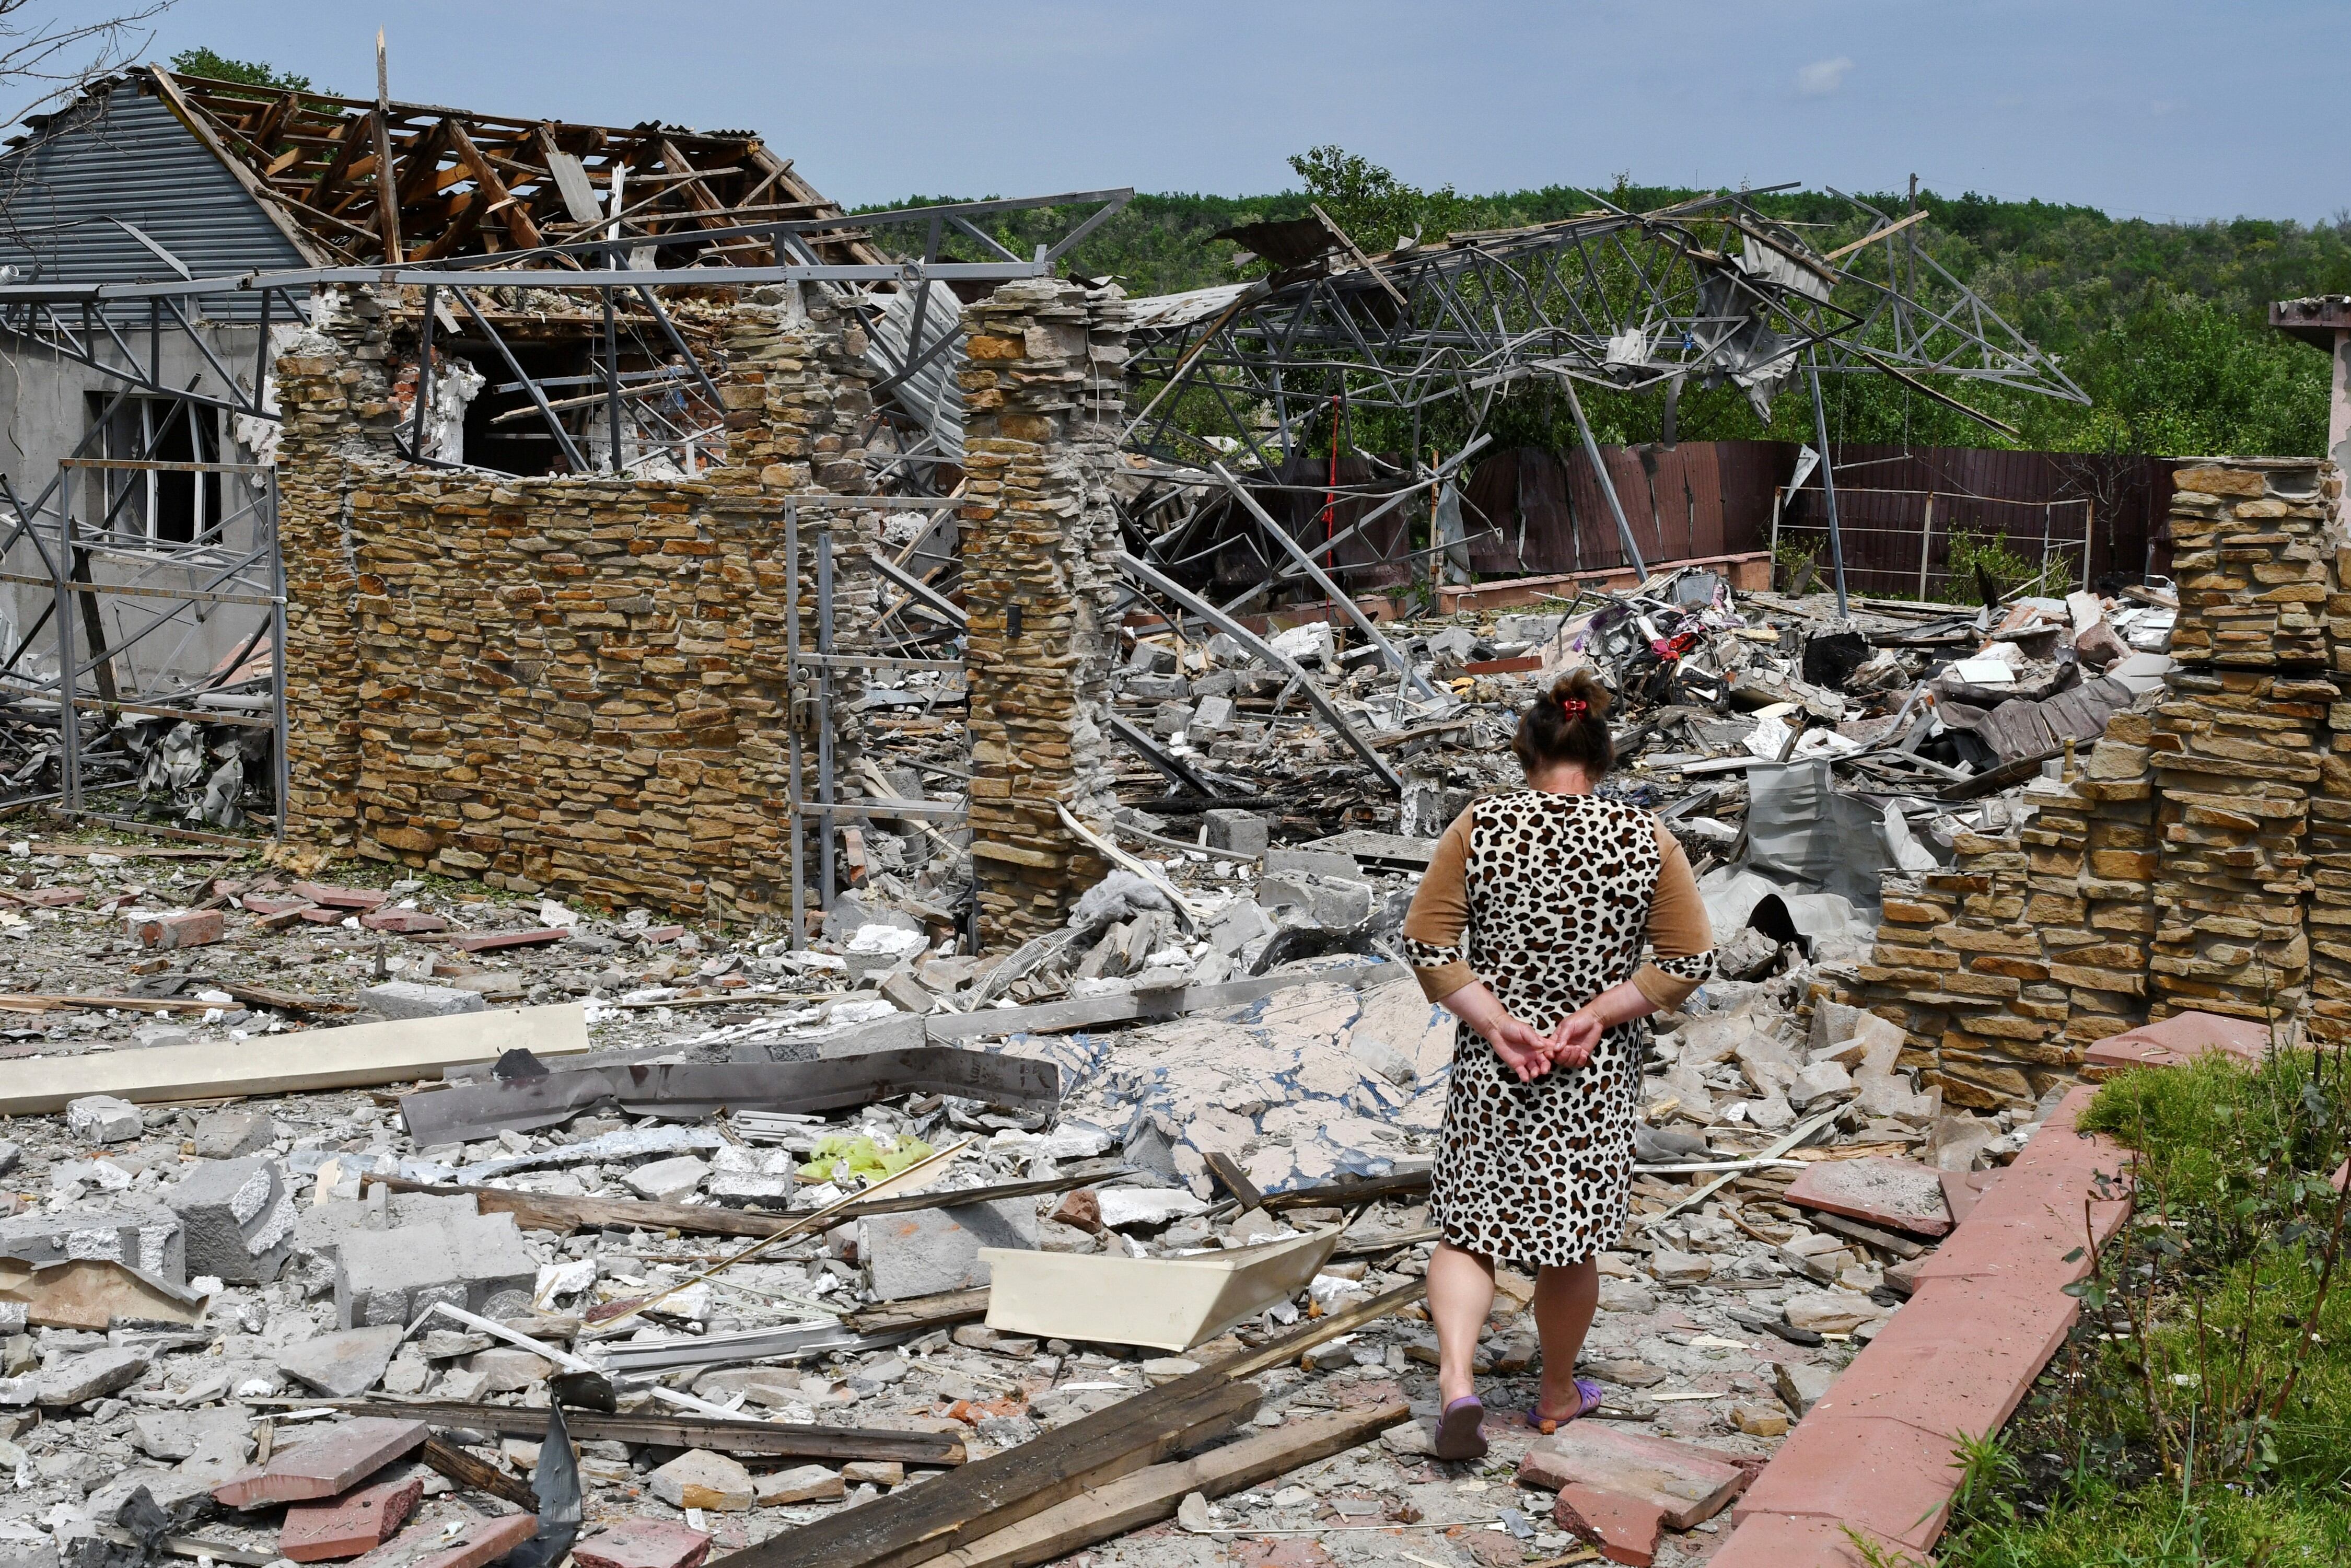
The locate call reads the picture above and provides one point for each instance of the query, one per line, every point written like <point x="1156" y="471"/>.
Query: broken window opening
<point x="156" y="506"/>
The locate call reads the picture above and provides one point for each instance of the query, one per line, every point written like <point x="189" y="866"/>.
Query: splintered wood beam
<point x="350" y="147"/>
<point x="420" y="162"/>
<point x="780" y="170"/>
<point x="387" y="197"/>
<point x="272" y="121"/>
<point x="709" y="211"/>
<point x="467" y="209"/>
<point x="504" y="202"/>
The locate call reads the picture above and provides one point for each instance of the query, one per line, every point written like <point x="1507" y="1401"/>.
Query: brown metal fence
<point x="1541" y="511"/>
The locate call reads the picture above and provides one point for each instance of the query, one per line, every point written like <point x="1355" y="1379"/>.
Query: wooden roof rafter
<point x="467" y="183"/>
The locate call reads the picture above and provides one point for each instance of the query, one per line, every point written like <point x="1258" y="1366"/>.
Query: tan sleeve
<point x="1433" y="927"/>
<point x="1681" y="937"/>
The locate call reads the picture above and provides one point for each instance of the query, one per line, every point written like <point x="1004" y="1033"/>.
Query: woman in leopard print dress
<point x="1582" y="918"/>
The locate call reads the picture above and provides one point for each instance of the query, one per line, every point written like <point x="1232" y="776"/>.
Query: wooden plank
<point x="919" y="1524"/>
<point x="1346" y="1193"/>
<point x="922" y="1313"/>
<point x="361" y="1056"/>
<point x="541" y="1211"/>
<point x="1233" y="1179"/>
<point x="1088" y="1012"/>
<point x="780" y="1439"/>
<point x="503" y="202"/>
<point x="480" y="1475"/>
<point x="1153" y="1493"/>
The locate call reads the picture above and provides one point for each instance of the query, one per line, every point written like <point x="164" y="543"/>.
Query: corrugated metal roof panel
<point x="122" y="157"/>
<point x="933" y="394"/>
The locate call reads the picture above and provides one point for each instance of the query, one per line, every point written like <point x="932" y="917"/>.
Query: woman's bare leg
<point x="1460" y="1293"/>
<point x="1565" y="1298"/>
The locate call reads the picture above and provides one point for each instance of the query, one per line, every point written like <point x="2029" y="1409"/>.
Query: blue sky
<point x="2155" y="107"/>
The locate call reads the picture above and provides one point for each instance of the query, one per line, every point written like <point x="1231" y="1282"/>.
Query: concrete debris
<point x="1733" y="1304"/>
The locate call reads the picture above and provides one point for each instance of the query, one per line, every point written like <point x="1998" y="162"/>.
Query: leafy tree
<point x="217" y="66"/>
<point x="2164" y="325"/>
<point x="1377" y="210"/>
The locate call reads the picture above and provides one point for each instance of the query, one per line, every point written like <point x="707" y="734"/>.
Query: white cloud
<point x="1823" y="77"/>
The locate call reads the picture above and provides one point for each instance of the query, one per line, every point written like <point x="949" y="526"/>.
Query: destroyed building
<point x="833" y="935"/>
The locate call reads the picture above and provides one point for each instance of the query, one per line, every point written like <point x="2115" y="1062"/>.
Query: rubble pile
<point x="341" y="1324"/>
<point x="271" y="1256"/>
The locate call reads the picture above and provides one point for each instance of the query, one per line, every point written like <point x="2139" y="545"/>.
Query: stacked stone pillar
<point x="2238" y="744"/>
<point x="1042" y="394"/>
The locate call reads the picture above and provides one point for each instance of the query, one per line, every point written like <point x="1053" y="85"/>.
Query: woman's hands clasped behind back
<point x="1530" y="1053"/>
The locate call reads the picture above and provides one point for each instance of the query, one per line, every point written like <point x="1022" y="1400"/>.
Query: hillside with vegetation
<point x="2165" y="326"/>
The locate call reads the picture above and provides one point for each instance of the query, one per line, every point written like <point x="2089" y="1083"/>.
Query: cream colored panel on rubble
<point x="1166" y="1303"/>
<point x="355" y="1057"/>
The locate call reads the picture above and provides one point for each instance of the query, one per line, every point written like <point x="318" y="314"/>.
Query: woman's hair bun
<point x="1583" y="687"/>
<point x="1568" y="723"/>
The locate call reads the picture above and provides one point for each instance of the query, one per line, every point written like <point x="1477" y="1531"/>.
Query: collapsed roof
<point x="461" y="184"/>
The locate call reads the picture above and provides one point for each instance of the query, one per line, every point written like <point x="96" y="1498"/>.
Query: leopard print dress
<point x="1558" y="892"/>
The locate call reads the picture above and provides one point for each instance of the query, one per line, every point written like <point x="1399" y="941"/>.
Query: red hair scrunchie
<point x="1573" y="707"/>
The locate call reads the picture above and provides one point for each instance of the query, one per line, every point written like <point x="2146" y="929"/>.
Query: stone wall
<point x="2201" y="858"/>
<point x="570" y="684"/>
<point x="1043" y="390"/>
<point x="2007" y="967"/>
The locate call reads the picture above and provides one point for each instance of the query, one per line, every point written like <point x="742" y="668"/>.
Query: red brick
<point x="403" y="922"/>
<point x="1790" y="1540"/>
<point x="273" y="903"/>
<point x="340" y="897"/>
<point x="1687" y="1482"/>
<point x="1962" y="1188"/>
<point x="2180" y="1038"/>
<point x="1900" y="1195"/>
<point x="642" y="1544"/>
<point x="482" y="941"/>
<point x="348" y="1525"/>
<point x="1625" y="1529"/>
<point x="1887" y="1475"/>
<point x="485" y="1540"/>
<point x="327" y="1465"/>
<point x="178" y="929"/>
<point x="318" y="915"/>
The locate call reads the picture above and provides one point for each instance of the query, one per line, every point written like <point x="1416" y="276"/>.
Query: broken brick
<point x="179" y="928"/>
<point x="340" y="897"/>
<point x="1689" y="1483"/>
<point x="642" y="1544"/>
<point x="1625" y="1529"/>
<point x="403" y="922"/>
<point x="274" y="903"/>
<point x="1900" y="1195"/>
<point x="484" y="941"/>
<point x="327" y="1465"/>
<point x="484" y="1540"/>
<point x="348" y="1525"/>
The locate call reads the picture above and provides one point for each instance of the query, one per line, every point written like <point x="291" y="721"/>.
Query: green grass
<point x="2192" y="1418"/>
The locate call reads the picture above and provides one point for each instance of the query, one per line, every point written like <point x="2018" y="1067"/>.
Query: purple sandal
<point x="1458" y="1433"/>
<point x="1592" y="1399"/>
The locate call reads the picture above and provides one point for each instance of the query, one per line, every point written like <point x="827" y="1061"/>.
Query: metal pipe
<point x="824" y="720"/>
<point x="423" y="375"/>
<point x="1828" y="484"/>
<point x="68" y="721"/>
<point x="562" y="437"/>
<point x="283" y="771"/>
<point x="611" y="371"/>
<point x="792" y="727"/>
<point x="1346" y="606"/>
<point x="1599" y="470"/>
